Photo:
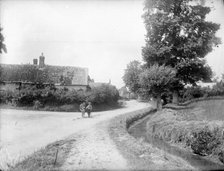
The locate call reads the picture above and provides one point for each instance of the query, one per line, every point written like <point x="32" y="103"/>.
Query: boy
<point x="89" y="109"/>
<point x="82" y="108"/>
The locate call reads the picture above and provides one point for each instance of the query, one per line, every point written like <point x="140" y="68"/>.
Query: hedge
<point x="29" y="96"/>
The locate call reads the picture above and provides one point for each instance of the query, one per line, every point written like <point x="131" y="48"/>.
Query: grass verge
<point x="49" y="158"/>
<point x="198" y="128"/>
<point x="139" y="154"/>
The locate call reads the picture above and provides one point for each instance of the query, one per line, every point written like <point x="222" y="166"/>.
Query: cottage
<point x="13" y="76"/>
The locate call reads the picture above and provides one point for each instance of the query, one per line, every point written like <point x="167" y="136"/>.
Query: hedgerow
<point x="198" y="92"/>
<point x="103" y="94"/>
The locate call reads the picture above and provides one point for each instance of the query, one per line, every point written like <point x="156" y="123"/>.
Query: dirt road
<point x="23" y="132"/>
<point x="94" y="150"/>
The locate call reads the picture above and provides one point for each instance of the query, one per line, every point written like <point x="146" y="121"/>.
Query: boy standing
<point x="82" y="108"/>
<point x="89" y="109"/>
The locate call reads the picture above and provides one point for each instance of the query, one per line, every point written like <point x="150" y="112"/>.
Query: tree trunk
<point x="153" y="102"/>
<point x="158" y="102"/>
<point x="175" y="99"/>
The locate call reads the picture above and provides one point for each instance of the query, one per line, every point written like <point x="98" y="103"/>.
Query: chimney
<point x="35" y="61"/>
<point x="41" y="61"/>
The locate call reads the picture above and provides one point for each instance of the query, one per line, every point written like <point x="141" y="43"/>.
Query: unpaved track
<point x="94" y="149"/>
<point x="23" y="132"/>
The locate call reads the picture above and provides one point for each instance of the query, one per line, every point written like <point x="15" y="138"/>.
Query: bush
<point x="190" y="93"/>
<point x="7" y="96"/>
<point x="187" y="130"/>
<point x="217" y="89"/>
<point x="205" y="141"/>
<point x="221" y="156"/>
<point x="37" y="105"/>
<point x="103" y="94"/>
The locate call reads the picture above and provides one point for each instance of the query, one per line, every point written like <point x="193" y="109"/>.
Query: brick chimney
<point x="35" y="61"/>
<point x="41" y="61"/>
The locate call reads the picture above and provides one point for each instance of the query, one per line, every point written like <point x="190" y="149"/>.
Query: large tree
<point x="2" y="45"/>
<point x="131" y="76"/>
<point x="156" y="80"/>
<point x="179" y="36"/>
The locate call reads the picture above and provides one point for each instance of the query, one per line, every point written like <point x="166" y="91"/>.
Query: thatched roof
<point x="66" y="75"/>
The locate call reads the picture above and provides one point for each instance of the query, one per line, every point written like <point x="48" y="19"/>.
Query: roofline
<point x="73" y="85"/>
<point x="23" y="82"/>
<point x="47" y="65"/>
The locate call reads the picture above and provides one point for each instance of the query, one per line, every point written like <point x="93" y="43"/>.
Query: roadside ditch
<point x="138" y="130"/>
<point x="130" y="134"/>
<point x="140" y="154"/>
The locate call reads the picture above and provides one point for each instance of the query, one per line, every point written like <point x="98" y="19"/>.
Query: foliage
<point x="64" y="80"/>
<point x="205" y="141"/>
<point x="105" y="93"/>
<point x="31" y="95"/>
<point x="2" y="45"/>
<point x="157" y="79"/>
<point x="198" y="91"/>
<point x="178" y="36"/>
<point x="217" y="89"/>
<point x="7" y="96"/>
<point x="187" y="129"/>
<point x="90" y="80"/>
<point x="193" y="92"/>
<point x="130" y="145"/>
<point x="131" y="76"/>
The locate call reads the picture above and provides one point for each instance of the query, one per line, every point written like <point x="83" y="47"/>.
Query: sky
<point x="102" y="35"/>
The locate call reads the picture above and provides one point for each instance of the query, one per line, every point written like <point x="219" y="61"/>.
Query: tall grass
<point x="7" y="161"/>
<point x="200" y="127"/>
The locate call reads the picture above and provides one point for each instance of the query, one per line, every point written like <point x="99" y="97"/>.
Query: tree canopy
<point x="131" y="76"/>
<point x="156" y="80"/>
<point x="179" y="36"/>
<point x="2" y="45"/>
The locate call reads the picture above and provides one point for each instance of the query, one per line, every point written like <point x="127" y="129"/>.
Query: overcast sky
<point x="102" y="35"/>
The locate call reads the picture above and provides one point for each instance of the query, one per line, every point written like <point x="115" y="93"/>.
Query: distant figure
<point x="89" y="108"/>
<point x="82" y="108"/>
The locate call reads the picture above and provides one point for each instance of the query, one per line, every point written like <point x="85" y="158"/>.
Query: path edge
<point x="137" y="151"/>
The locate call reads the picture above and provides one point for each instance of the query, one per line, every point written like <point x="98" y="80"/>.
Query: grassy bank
<point x="140" y="154"/>
<point x="197" y="128"/>
<point x="50" y="157"/>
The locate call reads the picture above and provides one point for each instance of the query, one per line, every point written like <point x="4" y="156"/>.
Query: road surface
<point x="23" y="132"/>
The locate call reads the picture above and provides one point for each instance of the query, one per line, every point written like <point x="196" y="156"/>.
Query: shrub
<point x="14" y="102"/>
<point x="188" y="131"/>
<point x="103" y="94"/>
<point x="221" y="156"/>
<point x="192" y="92"/>
<point x="37" y="105"/>
<point x="198" y="91"/>
<point x="7" y="96"/>
<point x="217" y="89"/>
<point x="204" y="141"/>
